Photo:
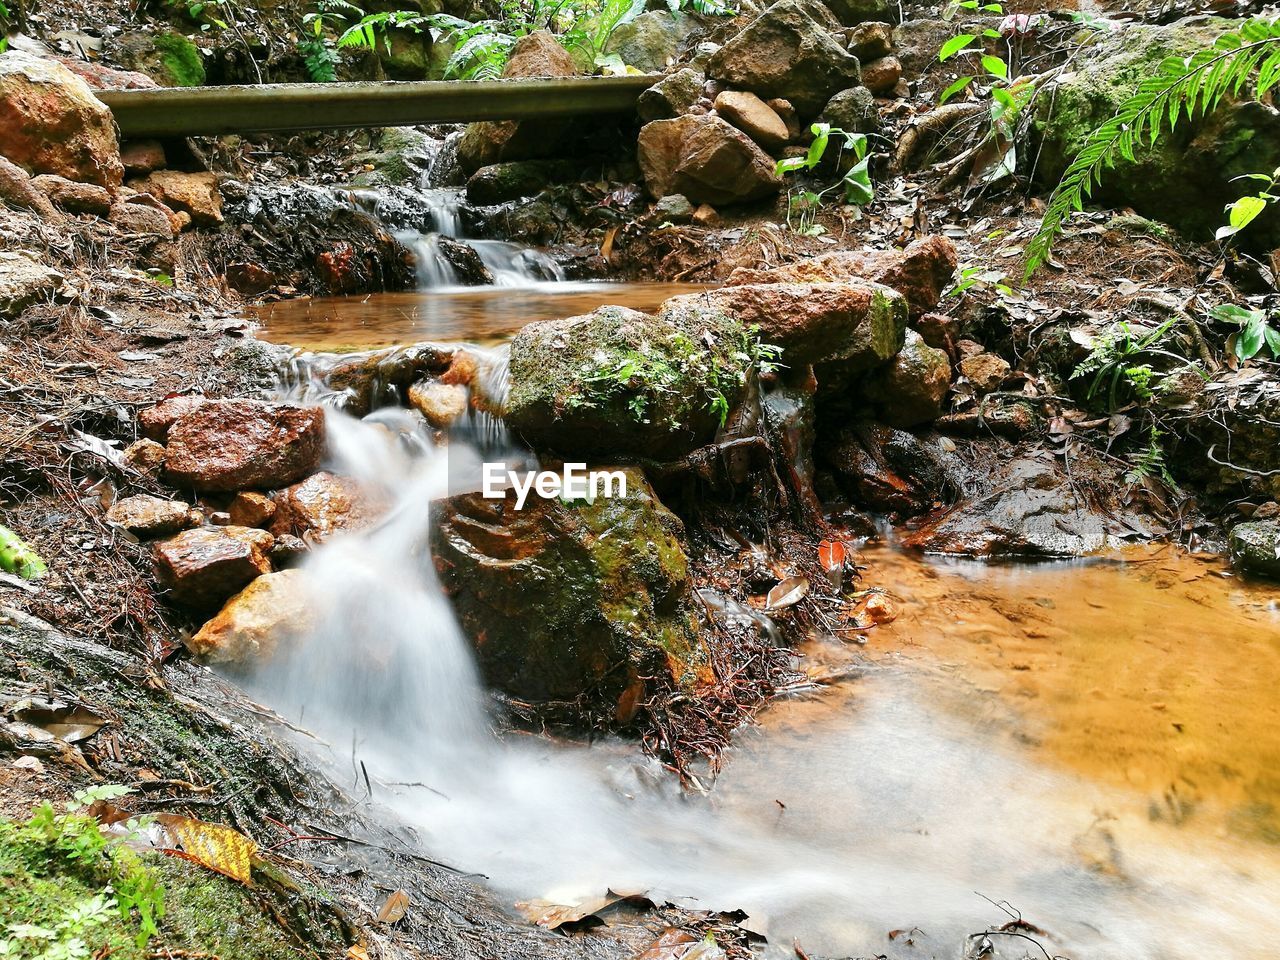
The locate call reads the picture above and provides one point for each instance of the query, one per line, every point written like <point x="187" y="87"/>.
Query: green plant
<point x="1257" y="332"/>
<point x="1007" y="96"/>
<point x="642" y="372"/>
<point x="1149" y="462"/>
<point x="1119" y="364"/>
<point x="5" y="18"/>
<point x="1246" y="209"/>
<point x="72" y="841"/>
<point x="978" y="276"/>
<point x="856" y="181"/>
<point x="1183" y="88"/>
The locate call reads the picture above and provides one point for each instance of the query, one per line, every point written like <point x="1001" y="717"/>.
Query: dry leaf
<point x="357" y="952"/>
<point x="395" y="907"/>
<point x="787" y="593"/>
<point x="212" y="845"/>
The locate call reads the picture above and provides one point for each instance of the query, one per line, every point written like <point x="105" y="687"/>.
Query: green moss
<point x="181" y="59"/>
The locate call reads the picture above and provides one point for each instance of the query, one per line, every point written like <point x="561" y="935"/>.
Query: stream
<point x="1092" y="747"/>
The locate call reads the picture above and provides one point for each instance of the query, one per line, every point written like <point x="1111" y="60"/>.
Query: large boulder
<point x="909" y="391"/>
<point x="538" y="54"/>
<point x="50" y="122"/>
<point x="618" y="383"/>
<point x="791" y="50"/>
<point x="167" y="57"/>
<point x="24" y="280"/>
<point x="651" y="40"/>
<point x="920" y="273"/>
<point x="1255" y="547"/>
<point x="571" y="600"/>
<point x="1194" y="170"/>
<point x="859" y="324"/>
<point x="274" y="610"/>
<point x="228" y="445"/>
<point x="705" y="159"/>
<point x="201" y="568"/>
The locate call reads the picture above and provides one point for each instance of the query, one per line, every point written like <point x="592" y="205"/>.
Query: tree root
<point x="925" y="132"/>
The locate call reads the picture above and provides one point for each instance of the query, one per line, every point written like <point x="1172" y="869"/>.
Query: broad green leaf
<point x="1251" y="338"/>
<point x="952" y="90"/>
<point x="995" y="66"/>
<point x="955" y="45"/>
<point x="1244" y="211"/>
<point x="1273" y="341"/>
<point x="1233" y="314"/>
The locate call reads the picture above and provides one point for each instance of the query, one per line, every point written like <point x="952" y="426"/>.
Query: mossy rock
<point x="170" y="59"/>
<point x="571" y="601"/>
<point x="619" y="383"/>
<point x="1255" y="547"/>
<point x="1190" y="176"/>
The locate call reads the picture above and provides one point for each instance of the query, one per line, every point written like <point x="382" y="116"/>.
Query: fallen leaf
<point x="69" y="722"/>
<point x="831" y="554"/>
<point x="787" y="593"/>
<point x="357" y="952"/>
<point x="212" y="845"/>
<point x="672" y="944"/>
<point x="395" y="907"/>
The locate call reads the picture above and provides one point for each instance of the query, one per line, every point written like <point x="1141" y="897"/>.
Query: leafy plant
<point x="1257" y="332"/>
<point x="71" y="840"/>
<point x="5" y="18"/>
<point x="856" y="182"/>
<point x="1149" y="463"/>
<point x="1242" y="212"/>
<point x="1007" y="96"/>
<point x="1119" y="363"/>
<point x="1183" y="88"/>
<point x="979" y="276"/>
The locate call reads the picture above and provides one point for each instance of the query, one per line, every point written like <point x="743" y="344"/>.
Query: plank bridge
<point x="285" y="107"/>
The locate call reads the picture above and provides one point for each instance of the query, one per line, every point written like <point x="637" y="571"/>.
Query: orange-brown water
<point x="480" y="315"/>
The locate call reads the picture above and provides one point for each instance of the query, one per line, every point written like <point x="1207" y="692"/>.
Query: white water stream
<point x="897" y="814"/>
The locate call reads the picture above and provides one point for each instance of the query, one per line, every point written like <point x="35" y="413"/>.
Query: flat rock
<point x="74" y="197"/>
<point x="228" y="445"/>
<point x="753" y="117"/>
<point x="148" y="516"/>
<point x="24" y="280"/>
<point x="154" y="422"/>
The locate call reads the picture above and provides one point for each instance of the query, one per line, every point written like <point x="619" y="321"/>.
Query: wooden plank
<point x="282" y="107"/>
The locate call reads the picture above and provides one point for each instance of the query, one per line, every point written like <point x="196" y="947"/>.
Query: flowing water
<point x="1094" y="744"/>
<point x="1094" y="747"/>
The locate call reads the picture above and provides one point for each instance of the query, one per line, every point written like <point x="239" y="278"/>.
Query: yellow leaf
<point x="211" y="845"/>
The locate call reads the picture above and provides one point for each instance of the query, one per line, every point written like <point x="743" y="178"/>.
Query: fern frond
<point x="1182" y="89"/>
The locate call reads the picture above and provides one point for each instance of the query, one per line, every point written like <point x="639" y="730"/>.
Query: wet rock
<point x="17" y="190"/>
<point x="891" y="471"/>
<point x="500" y="182"/>
<point x="674" y="208"/>
<point x="195" y="194"/>
<point x="853" y="110"/>
<point x="154" y="422"/>
<point x="882" y="75"/>
<point x="567" y="393"/>
<point x="671" y="96"/>
<point x="986" y="371"/>
<point x="870" y="41"/>
<point x="201" y="568"/>
<point x="50" y="122"/>
<point x="322" y="505"/>
<point x="249" y="509"/>
<point x="753" y="117"/>
<point x="858" y="325"/>
<point x="1255" y="547"/>
<point x="538" y="54"/>
<point x="910" y="390"/>
<point x="369" y="380"/>
<point x="569" y="600"/>
<point x="73" y="197"/>
<point x="651" y="40"/>
<point x="938" y="330"/>
<point x="140" y="157"/>
<point x="442" y="404"/>
<point x="788" y="407"/>
<point x="249" y="279"/>
<point x="705" y="159"/>
<point x="145" y="456"/>
<point x="24" y="280"/>
<point x="1027" y="507"/>
<point x="227" y="445"/>
<point x="147" y="516"/>
<point x="920" y="272"/>
<point x="140" y="219"/>
<point x="1013" y="420"/>
<point x="288" y="550"/>
<point x="274" y="610"/>
<point x="788" y="51"/>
